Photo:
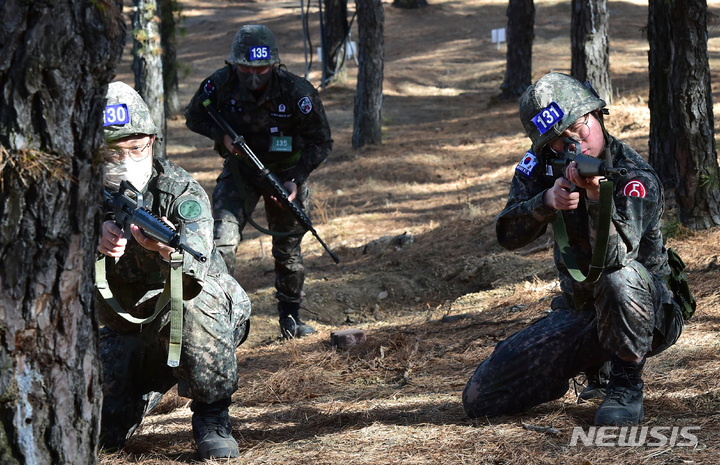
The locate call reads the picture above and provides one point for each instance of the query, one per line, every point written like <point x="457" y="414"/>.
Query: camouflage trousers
<point x="634" y="316"/>
<point x="135" y="370"/>
<point x="235" y="197"/>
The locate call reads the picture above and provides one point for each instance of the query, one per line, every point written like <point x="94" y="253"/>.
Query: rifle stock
<point x="278" y="190"/>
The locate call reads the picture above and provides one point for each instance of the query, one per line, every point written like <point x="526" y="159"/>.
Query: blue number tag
<point x="281" y="144"/>
<point x="547" y="118"/>
<point x="116" y="114"/>
<point x="261" y="52"/>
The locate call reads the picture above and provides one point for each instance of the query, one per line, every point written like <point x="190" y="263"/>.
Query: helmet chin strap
<point x="607" y="158"/>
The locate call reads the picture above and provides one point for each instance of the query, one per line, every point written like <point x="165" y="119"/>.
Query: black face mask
<point x="254" y="81"/>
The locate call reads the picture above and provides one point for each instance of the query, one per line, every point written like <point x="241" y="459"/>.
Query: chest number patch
<point x="547" y="117"/>
<point x="281" y="144"/>
<point x="189" y="209"/>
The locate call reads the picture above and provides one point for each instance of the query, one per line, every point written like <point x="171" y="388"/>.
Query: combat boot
<point x="597" y="381"/>
<point x="212" y="430"/>
<point x="623" y="404"/>
<point x="290" y="324"/>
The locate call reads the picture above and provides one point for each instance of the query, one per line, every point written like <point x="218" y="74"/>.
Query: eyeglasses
<point x="580" y="130"/>
<point x="134" y="153"/>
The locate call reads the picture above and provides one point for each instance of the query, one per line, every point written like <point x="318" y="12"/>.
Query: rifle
<point x="586" y="166"/>
<point x="130" y="210"/>
<point x="276" y="188"/>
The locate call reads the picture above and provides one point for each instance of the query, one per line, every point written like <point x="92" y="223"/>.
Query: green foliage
<point x="709" y="181"/>
<point x="672" y="228"/>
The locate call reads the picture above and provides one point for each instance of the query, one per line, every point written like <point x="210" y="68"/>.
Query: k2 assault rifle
<point x="129" y="210"/>
<point x="272" y="182"/>
<point x="586" y="166"/>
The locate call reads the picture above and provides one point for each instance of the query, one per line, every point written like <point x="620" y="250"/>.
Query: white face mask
<point x="137" y="172"/>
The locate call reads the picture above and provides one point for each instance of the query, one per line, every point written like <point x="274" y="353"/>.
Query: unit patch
<point x="209" y="87"/>
<point x="189" y="209"/>
<point x="635" y="188"/>
<point x="527" y="164"/>
<point x="305" y="105"/>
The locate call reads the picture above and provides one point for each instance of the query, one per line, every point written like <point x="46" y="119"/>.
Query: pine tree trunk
<point x="335" y="31"/>
<point x="55" y="63"/>
<point x="520" y="36"/>
<point x="590" y="46"/>
<point x="367" y="128"/>
<point x="147" y="65"/>
<point x="409" y="4"/>
<point x="682" y="148"/>
<point x="168" y="35"/>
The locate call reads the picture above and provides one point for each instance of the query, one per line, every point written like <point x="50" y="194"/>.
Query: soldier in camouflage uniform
<point x="282" y="119"/>
<point x="216" y="310"/>
<point x="625" y="316"/>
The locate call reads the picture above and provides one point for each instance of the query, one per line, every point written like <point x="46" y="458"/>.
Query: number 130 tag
<point x="116" y="114"/>
<point x="547" y="118"/>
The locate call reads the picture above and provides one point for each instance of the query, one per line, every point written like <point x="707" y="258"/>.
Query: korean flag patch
<point x="527" y="164"/>
<point x="305" y="105"/>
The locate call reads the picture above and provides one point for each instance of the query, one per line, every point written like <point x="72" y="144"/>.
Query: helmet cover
<point x="254" y="46"/>
<point x="552" y="104"/>
<point x="126" y="113"/>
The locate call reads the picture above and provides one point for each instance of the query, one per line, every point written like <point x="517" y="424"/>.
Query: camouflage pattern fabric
<point x="572" y="97"/>
<point x="628" y="312"/>
<point x="289" y="108"/>
<point x="216" y="313"/>
<point x="230" y="219"/>
<point x="254" y="45"/>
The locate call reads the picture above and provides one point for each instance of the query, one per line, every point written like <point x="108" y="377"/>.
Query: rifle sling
<point x="173" y="293"/>
<point x="601" y="239"/>
<point x="240" y="183"/>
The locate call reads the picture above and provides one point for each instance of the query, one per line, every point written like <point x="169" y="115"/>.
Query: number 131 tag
<point x="547" y="118"/>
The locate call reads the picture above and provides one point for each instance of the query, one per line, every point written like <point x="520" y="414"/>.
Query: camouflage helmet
<point x="255" y="46"/>
<point x="552" y="104"/>
<point x="126" y="113"/>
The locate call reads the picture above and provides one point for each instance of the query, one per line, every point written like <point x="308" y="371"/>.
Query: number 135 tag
<point x="281" y="144"/>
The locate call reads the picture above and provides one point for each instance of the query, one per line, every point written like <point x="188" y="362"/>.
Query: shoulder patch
<point x="527" y="164"/>
<point x="209" y="87"/>
<point x="305" y="105"/>
<point x="189" y="209"/>
<point x="635" y="188"/>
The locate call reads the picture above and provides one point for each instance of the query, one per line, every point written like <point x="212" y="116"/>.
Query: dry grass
<point x="441" y="175"/>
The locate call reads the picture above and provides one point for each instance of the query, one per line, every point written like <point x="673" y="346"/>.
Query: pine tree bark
<point x="682" y="147"/>
<point x="520" y="36"/>
<point x="56" y="59"/>
<point x="148" y="65"/>
<point x="335" y="31"/>
<point x="367" y="127"/>
<point x="590" y="45"/>
<point x="410" y="4"/>
<point x="168" y="42"/>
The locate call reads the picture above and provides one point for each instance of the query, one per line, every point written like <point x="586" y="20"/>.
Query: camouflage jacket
<point x="634" y="230"/>
<point x="172" y="193"/>
<point x="285" y="126"/>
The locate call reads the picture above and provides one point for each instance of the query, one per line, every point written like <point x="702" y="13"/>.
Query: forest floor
<point x="412" y="221"/>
